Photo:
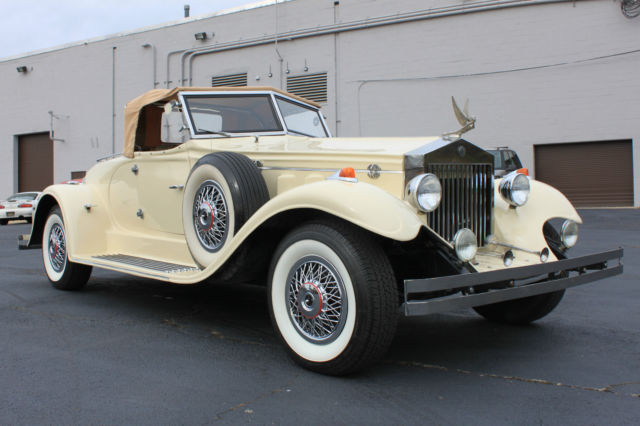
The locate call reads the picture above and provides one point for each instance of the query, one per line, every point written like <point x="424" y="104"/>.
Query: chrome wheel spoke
<point x="316" y="300"/>
<point x="210" y="215"/>
<point x="57" y="248"/>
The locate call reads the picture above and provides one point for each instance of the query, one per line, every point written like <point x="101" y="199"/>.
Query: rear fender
<point x="84" y="215"/>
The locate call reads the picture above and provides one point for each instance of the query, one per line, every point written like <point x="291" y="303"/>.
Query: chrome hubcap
<point x="210" y="216"/>
<point x="57" y="248"/>
<point x="317" y="300"/>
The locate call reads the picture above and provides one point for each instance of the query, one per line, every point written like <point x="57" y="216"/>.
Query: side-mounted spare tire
<point x="223" y="191"/>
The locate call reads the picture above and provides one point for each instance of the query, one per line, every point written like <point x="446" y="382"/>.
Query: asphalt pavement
<point x="127" y="350"/>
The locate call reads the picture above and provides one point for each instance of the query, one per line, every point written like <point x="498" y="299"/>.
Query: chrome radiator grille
<point x="467" y="198"/>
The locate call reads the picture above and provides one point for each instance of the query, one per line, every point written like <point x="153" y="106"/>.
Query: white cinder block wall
<point x="536" y="72"/>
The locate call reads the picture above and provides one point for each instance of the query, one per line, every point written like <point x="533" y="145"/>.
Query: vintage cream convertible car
<point x="246" y="185"/>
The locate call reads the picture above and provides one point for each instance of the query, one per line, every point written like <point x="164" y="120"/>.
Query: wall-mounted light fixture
<point x="22" y="69"/>
<point x="200" y="36"/>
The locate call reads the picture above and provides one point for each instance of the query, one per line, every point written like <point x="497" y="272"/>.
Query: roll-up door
<point x="590" y="174"/>
<point x="35" y="162"/>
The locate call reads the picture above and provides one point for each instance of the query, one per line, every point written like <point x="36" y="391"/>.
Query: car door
<point x="161" y="179"/>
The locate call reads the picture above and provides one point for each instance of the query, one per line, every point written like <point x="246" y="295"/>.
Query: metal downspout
<point x="280" y="58"/>
<point x="113" y="100"/>
<point x="173" y="52"/>
<point x="336" y="12"/>
<point x="154" y="56"/>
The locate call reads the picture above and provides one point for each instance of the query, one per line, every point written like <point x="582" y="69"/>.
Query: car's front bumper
<point x="433" y="295"/>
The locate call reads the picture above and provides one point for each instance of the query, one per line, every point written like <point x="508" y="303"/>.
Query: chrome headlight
<point x="424" y="192"/>
<point x="514" y="188"/>
<point x="465" y="244"/>
<point x="569" y="233"/>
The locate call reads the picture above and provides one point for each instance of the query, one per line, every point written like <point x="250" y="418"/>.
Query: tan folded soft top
<point x="134" y="107"/>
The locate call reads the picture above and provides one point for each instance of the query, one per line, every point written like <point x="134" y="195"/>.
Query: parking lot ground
<point x="137" y="351"/>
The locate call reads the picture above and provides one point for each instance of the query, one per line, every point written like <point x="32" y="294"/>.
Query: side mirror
<point x="173" y="128"/>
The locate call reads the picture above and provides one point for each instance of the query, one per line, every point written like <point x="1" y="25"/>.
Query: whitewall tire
<point x="62" y="273"/>
<point x="300" y="329"/>
<point x="332" y="297"/>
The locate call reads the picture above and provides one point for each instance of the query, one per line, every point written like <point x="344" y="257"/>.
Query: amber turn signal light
<point x="347" y="172"/>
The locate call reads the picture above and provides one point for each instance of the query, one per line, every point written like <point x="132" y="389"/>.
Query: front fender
<point x="522" y="226"/>
<point x="360" y="203"/>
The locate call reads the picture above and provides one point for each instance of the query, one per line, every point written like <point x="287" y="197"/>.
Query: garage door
<point x="35" y="162"/>
<point x="591" y="174"/>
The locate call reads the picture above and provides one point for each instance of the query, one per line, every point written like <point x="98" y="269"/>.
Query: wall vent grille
<point x="229" y="80"/>
<point x="309" y="86"/>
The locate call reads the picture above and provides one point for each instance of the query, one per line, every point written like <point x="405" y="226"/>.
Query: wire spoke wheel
<point x="210" y="215"/>
<point x="332" y="297"/>
<point x="317" y="300"/>
<point x="57" y="248"/>
<point x="62" y="272"/>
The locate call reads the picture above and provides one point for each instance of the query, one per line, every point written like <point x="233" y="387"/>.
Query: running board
<point x="149" y="264"/>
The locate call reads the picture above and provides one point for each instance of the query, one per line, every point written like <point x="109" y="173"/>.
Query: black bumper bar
<point x="431" y="295"/>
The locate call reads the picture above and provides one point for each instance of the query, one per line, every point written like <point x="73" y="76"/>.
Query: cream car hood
<point x="359" y="149"/>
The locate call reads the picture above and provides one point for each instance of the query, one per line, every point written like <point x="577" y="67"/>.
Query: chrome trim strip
<point x="309" y="169"/>
<point x="108" y="157"/>
<point x="140" y="262"/>
<point x="125" y="270"/>
<point x="236" y="135"/>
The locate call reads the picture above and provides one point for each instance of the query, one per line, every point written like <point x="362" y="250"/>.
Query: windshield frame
<point x="183" y="96"/>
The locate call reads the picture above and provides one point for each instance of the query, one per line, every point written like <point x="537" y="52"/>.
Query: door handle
<point x="176" y="187"/>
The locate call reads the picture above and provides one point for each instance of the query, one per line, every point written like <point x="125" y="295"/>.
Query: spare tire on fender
<point x="223" y="190"/>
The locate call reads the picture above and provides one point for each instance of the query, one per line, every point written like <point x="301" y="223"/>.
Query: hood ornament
<point x="466" y="121"/>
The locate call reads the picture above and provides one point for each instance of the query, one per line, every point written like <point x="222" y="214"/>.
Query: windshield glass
<point x="301" y="119"/>
<point x="230" y="113"/>
<point x="511" y="160"/>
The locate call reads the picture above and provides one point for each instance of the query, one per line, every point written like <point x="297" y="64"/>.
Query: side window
<point x="208" y="120"/>
<point x="301" y="119"/>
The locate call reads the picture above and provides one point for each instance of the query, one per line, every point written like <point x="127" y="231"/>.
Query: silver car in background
<point x="19" y="206"/>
